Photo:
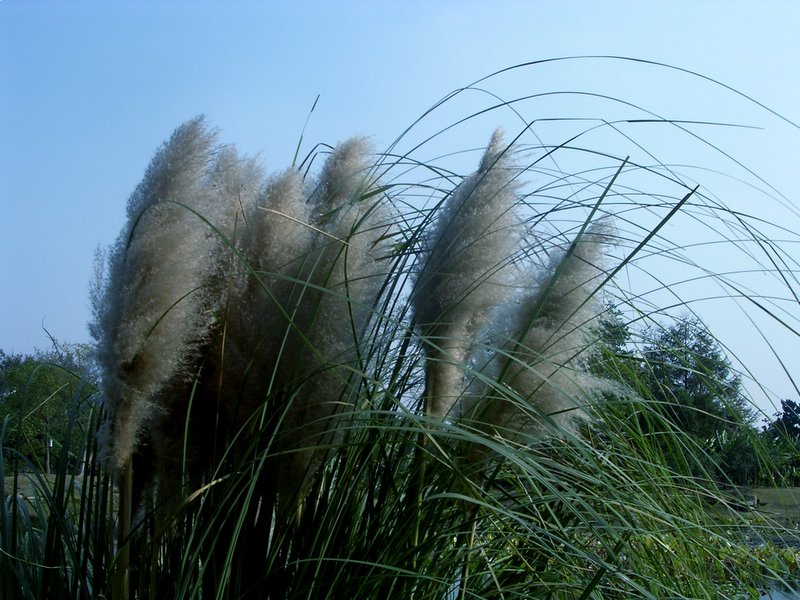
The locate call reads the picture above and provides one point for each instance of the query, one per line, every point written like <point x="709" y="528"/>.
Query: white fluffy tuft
<point x="467" y="268"/>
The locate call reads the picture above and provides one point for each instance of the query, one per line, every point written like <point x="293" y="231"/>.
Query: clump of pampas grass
<point x="224" y="290"/>
<point x="241" y="315"/>
<point x="375" y="378"/>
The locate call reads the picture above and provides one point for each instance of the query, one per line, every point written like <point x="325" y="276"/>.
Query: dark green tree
<point x="782" y="436"/>
<point x="787" y="421"/>
<point x="738" y="456"/>
<point x="614" y="356"/>
<point x="693" y="381"/>
<point x="691" y="403"/>
<point x="614" y="332"/>
<point x="40" y="395"/>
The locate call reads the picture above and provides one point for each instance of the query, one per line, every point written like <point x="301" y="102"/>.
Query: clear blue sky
<point x="89" y="89"/>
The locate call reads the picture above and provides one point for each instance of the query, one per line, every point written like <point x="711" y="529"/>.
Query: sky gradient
<point x="88" y="90"/>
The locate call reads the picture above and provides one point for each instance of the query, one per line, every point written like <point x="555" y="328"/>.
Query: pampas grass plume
<point x="546" y="384"/>
<point x="156" y="310"/>
<point x="466" y="270"/>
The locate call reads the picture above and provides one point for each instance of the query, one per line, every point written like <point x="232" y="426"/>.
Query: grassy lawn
<point x="780" y="504"/>
<point x="27" y="484"/>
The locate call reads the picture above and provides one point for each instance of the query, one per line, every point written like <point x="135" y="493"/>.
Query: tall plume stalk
<point x="538" y="380"/>
<point x="307" y="306"/>
<point x="155" y="312"/>
<point x="505" y="339"/>
<point x="158" y="303"/>
<point x="466" y="269"/>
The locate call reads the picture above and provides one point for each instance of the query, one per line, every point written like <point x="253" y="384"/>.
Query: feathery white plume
<point x="544" y="365"/>
<point x="156" y="311"/>
<point x="345" y="277"/>
<point x="466" y="269"/>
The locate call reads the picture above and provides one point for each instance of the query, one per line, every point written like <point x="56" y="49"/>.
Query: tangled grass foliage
<point x="376" y="382"/>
